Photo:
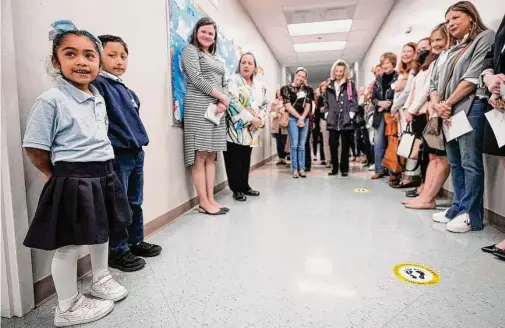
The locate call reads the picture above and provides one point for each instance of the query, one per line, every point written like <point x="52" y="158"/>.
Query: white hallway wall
<point x="144" y="27"/>
<point x="423" y="16"/>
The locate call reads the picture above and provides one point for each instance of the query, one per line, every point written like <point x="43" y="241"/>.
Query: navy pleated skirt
<point x="80" y="205"/>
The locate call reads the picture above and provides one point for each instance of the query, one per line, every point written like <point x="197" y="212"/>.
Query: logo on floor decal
<point x="361" y="190"/>
<point x="416" y="274"/>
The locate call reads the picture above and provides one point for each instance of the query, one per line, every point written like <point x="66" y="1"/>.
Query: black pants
<point x="352" y="145"/>
<point x="308" y="154"/>
<point x="347" y="136"/>
<point x="317" y="140"/>
<point x="365" y="146"/>
<point x="418" y="125"/>
<point x="281" y="144"/>
<point x="237" y="160"/>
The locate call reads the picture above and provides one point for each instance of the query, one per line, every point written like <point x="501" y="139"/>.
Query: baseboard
<point x="495" y="219"/>
<point x="44" y="288"/>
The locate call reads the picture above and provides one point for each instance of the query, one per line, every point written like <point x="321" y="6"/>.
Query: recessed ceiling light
<point x="319" y="46"/>
<point x="324" y="27"/>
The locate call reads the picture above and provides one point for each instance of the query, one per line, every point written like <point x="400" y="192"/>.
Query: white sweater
<point x="417" y="101"/>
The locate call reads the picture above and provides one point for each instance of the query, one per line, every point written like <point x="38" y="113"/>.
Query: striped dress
<point x="204" y="73"/>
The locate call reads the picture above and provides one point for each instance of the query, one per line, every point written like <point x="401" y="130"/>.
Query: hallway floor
<point x="308" y="253"/>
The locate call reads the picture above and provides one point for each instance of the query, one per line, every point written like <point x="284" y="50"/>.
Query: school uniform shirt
<point x="126" y="130"/>
<point x="70" y="124"/>
<point x="247" y="102"/>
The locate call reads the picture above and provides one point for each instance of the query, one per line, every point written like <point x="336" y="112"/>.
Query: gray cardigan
<point x="468" y="68"/>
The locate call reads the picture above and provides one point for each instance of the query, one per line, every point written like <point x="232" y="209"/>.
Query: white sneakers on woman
<point x="85" y="310"/>
<point x="459" y="224"/>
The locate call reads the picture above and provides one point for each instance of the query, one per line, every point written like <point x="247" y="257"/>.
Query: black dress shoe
<point x="412" y="193"/>
<point x="253" y="193"/>
<point x="500" y="253"/>
<point x="344" y="174"/>
<point x="239" y="196"/>
<point x="490" y="249"/>
<point x="332" y="173"/>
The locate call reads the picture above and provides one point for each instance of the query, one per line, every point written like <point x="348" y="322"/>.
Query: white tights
<point x="64" y="270"/>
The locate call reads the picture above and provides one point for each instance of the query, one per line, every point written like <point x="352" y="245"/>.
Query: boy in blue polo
<point x="127" y="135"/>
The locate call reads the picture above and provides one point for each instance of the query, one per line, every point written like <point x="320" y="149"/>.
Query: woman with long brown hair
<point x="438" y="167"/>
<point x="455" y="93"/>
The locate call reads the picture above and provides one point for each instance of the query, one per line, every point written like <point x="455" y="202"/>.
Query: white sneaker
<point x="107" y="288"/>
<point x="441" y="217"/>
<point x="460" y="224"/>
<point x="371" y="168"/>
<point x="84" y="310"/>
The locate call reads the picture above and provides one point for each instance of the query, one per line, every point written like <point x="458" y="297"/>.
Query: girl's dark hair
<point x="255" y="63"/>
<point x="58" y="40"/>
<point x="477" y="25"/>
<point x="112" y="38"/>
<point x="193" y="39"/>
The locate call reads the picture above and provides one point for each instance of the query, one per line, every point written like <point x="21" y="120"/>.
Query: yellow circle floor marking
<point x="361" y="190"/>
<point x="416" y="274"/>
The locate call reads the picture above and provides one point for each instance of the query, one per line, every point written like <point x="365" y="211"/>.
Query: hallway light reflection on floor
<point x="320" y="287"/>
<point x="319" y="266"/>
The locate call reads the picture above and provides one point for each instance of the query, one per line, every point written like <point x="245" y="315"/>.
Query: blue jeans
<point x="129" y="167"/>
<point x="297" y="137"/>
<point x="467" y="169"/>
<point x="380" y="145"/>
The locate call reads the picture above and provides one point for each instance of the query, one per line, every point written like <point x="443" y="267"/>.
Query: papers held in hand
<point x="211" y="114"/>
<point x="460" y="125"/>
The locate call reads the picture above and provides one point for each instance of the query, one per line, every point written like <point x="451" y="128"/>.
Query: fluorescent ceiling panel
<point x="324" y="27"/>
<point x="319" y="46"/>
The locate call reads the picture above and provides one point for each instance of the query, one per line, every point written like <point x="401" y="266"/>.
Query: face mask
<point x="422" y="55"/>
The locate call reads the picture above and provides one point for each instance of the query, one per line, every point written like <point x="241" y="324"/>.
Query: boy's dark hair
<point x="58" y="39"/>
<point x="112" y="38"/>
<point x="193" y="39"/>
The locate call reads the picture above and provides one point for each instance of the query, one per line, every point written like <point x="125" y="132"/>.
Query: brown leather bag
<point x="391" y="160"/>
<point x="391" y="128"/>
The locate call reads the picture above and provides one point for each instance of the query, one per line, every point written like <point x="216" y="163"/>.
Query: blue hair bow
<point x="64" y="25"/>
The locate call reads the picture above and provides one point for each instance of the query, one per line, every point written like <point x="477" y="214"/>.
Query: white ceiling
<point x="272" y="17"/>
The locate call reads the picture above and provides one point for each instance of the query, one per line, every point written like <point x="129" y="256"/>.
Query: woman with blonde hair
<point x="438" y="167"/>
<point x="341" y="105"/>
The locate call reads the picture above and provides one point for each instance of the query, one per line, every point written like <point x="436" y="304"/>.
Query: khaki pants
<point x="326" y="141"/>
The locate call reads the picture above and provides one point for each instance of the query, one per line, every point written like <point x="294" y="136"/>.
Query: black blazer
<point x="495" y="58"/>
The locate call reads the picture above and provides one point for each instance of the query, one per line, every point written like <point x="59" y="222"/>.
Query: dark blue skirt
<point x="79" y="205"/>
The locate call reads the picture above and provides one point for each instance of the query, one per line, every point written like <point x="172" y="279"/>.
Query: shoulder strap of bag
<point x="453" y="66"/>
<point x="349" y="90"/>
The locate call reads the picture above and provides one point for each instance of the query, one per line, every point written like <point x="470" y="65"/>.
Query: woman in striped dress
<point x="206" y="85"/>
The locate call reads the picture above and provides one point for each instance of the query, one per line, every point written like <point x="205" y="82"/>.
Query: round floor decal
<point x="416" y="274"/>
<point x="361" y="190"/>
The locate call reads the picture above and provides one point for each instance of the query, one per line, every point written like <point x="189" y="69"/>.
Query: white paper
<point x="496" y="120"/>
<point x="502" y="91"/>
<point x="211" y="115"/>
<point x="460" y="125"/>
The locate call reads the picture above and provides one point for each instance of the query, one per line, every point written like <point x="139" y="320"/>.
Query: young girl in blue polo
<point x="82" y="200"/>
